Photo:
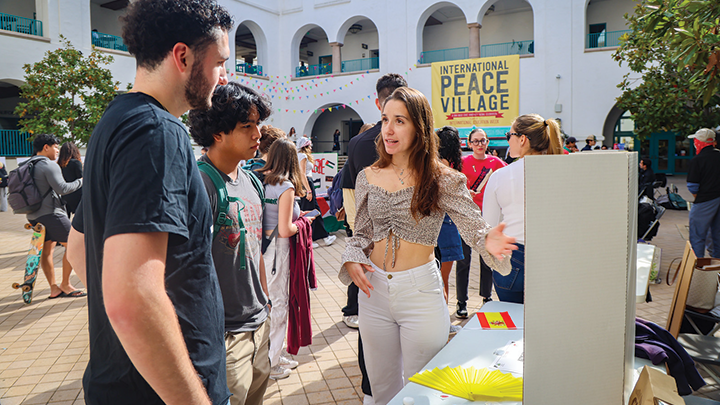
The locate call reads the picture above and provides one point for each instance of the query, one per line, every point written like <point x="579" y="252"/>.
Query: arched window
<point x="250" y="46"/>
<point x="444" y="34"/>
<point x="314" y="52"/>
<point x="20" y="16"/>
<point x="495" y="37"/>
<point x="605" y="22"/>
<point x="360" y="51"/>
<point x="105" y="26"/>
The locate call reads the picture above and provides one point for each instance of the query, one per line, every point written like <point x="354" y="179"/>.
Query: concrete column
<point x="474" y="50"/>
<point x="336" y="57"/>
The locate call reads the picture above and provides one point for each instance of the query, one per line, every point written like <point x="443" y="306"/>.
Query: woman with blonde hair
<point x="530" y="134"/>
<point x="401" y="201"/>
<point x="282" y="183"/>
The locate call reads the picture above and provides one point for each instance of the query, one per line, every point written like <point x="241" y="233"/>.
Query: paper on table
<point x="510" y="358"/>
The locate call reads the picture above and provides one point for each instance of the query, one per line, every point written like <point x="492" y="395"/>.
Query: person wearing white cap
<point x="703" y="181"/>
<point x="309" y="203"/>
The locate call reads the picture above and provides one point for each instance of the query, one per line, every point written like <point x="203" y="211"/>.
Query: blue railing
<point x="313" y="70"/>
<point x="358" y="65"/>
<point x="443" y="55"/>
<point x="15" y="143"/>
<point x="242" y="67"/>
<point x="508" y="48"/>
<point x="604" y="39"/>
<point x="108" y="41"/>
<point x="9" y="22"/>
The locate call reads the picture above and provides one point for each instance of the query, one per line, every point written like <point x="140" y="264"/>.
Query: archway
<point x="106" y="29"/>
<point x="250" y="48"/>
<point x="361" y="46"/>
<point x="312" y="54"/>
<point x="496" y="39"/>
<point x="442" y="34"/>
<point x="321" y="127"/>
<point x="13" y="142"/>
<point x="605" y="22"/>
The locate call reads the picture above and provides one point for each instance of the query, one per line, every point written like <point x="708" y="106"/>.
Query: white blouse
<point x="504" y="200"/>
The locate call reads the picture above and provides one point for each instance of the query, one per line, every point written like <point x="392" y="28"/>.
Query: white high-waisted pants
<point x="403" y="325"/>
<point x="279" y="289"/>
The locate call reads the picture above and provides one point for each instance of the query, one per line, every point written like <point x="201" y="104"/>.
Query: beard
<point x="198" y="90"/>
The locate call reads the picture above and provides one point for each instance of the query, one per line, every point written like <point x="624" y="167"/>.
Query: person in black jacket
<point x="647" y="177"/>
<point x="3" y="187"/>
<point x="71" y="166"/>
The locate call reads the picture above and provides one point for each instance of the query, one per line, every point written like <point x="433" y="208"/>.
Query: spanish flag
<point x="495" y="320"/>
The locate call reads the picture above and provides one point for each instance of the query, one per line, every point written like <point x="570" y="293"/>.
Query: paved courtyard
<point x="44" y="346"/>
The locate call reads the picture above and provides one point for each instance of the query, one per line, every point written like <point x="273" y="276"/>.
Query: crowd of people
<point x="198" y="273"/>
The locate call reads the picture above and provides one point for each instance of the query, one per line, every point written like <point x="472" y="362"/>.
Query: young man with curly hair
<point x="230" y="132"/>
<point x="154" y="302"/>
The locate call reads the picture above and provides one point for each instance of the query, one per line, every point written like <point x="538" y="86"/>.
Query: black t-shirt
<point x="361" y="154"/>
<point x="141" y="176"/>
<point x="704" y="169"/>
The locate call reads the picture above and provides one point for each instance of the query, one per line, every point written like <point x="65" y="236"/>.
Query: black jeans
<point x="352" y="301"/>
<point x="462" y="276"/>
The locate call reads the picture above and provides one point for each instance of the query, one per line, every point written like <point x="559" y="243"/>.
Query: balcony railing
<point x="313" y="70"/>
<point x="242" y="67"/>
<point x="9" y="22"/>
<point x="443" y="55"/>
<point x="108" y="41"/>
<point x="15" y="143"/>
<point x="604" y="39"/>
<point x="358" y="65"/>
<point x="508" y="48"/>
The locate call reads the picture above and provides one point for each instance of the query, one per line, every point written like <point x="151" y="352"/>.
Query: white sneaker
<point x="279" y="372"/>
<point x="455" y="329"/>
<point x="368" y="400"/>
<point x="329" y="240"/>
<point x="288" y="363"/>
<point x="315" y="245"/>
<point x="351" y="321"/>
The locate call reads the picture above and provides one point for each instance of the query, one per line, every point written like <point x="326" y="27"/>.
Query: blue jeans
<point x="704" y="217"/>
<point x="511" y="288"/>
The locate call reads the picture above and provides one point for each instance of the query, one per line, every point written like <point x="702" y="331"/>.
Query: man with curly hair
<point x="154" y="302"/>
<point x="230" y="132"/>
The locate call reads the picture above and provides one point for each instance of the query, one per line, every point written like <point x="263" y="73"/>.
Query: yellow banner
<point x="479" y="93"/>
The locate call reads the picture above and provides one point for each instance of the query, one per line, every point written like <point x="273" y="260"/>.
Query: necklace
<point x="400" y="176"/>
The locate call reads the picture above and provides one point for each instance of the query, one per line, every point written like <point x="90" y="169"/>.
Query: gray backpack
<point x="23" y="195"/>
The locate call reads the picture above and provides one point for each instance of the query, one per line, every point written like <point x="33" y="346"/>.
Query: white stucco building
<point x="313" y="55"/>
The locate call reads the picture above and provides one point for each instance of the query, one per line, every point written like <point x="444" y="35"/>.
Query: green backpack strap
<point x="260" y="189"/>
<point x="223" y="207"/>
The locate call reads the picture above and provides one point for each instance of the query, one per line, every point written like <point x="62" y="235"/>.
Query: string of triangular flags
<point x="271" y="87"/>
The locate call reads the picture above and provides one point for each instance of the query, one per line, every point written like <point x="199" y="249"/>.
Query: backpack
<point x="224" y="200"/>
<point x="672" y="200"/>
<point x="335" y="193"/>
<point x="23" y="194"/>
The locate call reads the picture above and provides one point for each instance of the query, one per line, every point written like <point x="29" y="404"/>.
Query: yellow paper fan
<point x="472" y="384"/>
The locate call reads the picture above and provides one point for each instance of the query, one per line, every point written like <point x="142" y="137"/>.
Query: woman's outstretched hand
<point x="357" y="273"/>
<point x="498" y="244"/>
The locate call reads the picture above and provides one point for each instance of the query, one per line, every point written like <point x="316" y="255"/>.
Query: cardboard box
<point x="580" y="258"/>
<point x="655" y="387"/>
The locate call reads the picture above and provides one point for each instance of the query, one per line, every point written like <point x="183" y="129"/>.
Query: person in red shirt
<point x="477" y="168"/>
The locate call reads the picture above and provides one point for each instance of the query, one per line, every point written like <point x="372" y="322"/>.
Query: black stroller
<point x="649" y="211"/>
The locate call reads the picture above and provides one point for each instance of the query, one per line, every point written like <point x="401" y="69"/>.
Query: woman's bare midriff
<point x="408" y="255"/>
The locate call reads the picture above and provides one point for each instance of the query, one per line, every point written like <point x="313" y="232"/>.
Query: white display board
<point x="580" y="258"/>
<point x="324" y="171"/>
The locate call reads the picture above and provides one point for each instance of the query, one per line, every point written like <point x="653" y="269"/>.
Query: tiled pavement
<point x="44" y="346"/>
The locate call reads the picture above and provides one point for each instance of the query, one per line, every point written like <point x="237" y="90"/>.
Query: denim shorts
<point x="449" y="248"/>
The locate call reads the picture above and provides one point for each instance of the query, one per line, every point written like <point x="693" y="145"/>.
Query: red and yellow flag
<point x="495" y="320"/>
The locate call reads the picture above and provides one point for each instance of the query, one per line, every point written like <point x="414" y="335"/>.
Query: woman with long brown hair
<point x="71" y="166"/>
<point x="282" y="183"/>
<point x="401" y="202"/>
<point x="530" y="134"/>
